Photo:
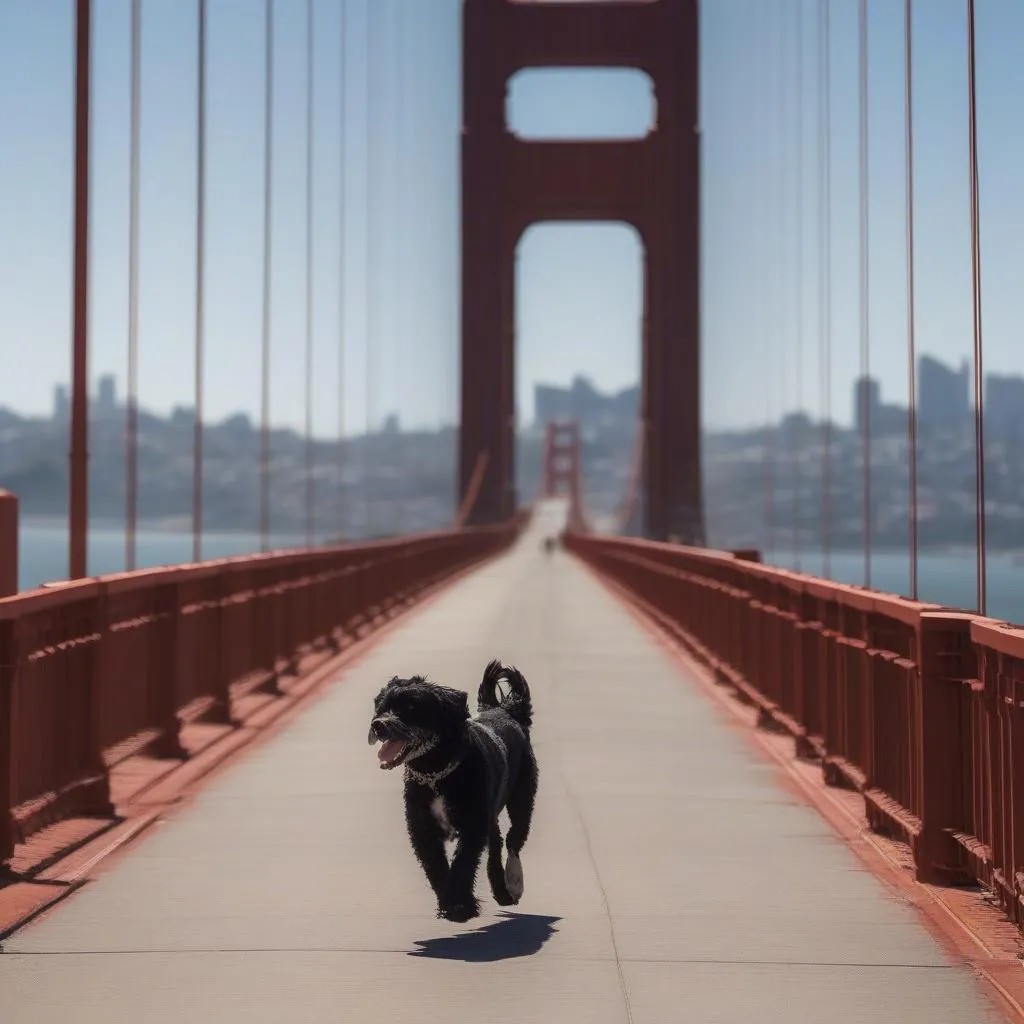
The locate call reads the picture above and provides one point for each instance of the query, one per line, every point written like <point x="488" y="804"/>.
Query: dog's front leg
<point x="427" y="842"/>
<point x="458" y="903"/>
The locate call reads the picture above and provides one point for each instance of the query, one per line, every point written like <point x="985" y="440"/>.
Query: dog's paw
<point x="460" y="912"/>
<point x="514" y="877"/>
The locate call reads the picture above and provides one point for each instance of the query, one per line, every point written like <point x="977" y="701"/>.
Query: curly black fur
<point x="459" y="774"/>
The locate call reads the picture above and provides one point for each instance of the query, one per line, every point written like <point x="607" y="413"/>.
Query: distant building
<point x="61" y="404"/>
<point x="582" y="402"/>
<point x="238" y="425"/>
<point x="107" y="398"/>
<point x="867" y="393"/>
<point x="943" y="394"/>
<point x="882" y="419"/>
<point x="1004" y="405"/>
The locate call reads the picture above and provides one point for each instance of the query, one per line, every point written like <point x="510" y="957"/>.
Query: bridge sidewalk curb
<point x="981" y="937"/>
<point x="24" y="901"/>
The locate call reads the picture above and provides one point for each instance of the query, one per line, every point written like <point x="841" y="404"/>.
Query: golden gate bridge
<point x="891" y="714"/>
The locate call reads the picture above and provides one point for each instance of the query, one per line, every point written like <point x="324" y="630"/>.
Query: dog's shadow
<point x="515" y="935"/>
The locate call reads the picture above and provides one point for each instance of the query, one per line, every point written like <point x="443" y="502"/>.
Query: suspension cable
<point x="131" y="409"/>
<point x="781" y="231"/>
<point x="268" y="149"/>
<point x="197" y="427"/>
<point x="764" y="262"/>
<point x="310" y="101"/>
<point x="979" y="417"/>
<point x="372" y="249"/>
<point x="799" y="332"/>
<point x="78" y="455"/>
<point x="402" y="320"/>
<point x="865" y="283"/>
<point x="825" y="277"/>
<point x="908" y="120"/>
<point x="342" y="262"/>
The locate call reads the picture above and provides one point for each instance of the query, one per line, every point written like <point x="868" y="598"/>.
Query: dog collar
<point x="432" y="778"/>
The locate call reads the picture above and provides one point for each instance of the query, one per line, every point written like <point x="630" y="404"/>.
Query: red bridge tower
<point x="652" y="183"/>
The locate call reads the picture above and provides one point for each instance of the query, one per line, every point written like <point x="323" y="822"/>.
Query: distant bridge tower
<point x="563" y="468"/>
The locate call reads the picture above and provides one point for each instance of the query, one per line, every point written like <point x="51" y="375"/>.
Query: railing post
<point x="98" y="677"/>
<point x="167" y="606"/>
<point x="223" y="709"/>
<point x="7" y="671"/>
<point x="946" y="663"/>
<point x="8" y="544"/>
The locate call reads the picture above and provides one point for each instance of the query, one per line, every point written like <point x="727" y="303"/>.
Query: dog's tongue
<point x="389" y="750"/>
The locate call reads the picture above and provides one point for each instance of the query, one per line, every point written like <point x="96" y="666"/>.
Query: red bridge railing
<point x="918" y="708"/>
<point x="95" y="671"/>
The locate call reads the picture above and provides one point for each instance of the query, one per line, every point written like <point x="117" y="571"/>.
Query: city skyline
<point x="945" y="398"/>
<point x="580" y="294"/>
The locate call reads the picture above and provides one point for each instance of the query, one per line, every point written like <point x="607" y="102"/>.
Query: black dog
<point x="459" y="774"/>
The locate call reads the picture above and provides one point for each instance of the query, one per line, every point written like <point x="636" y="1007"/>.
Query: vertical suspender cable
<point x="979" y="413"/>
<point x="78" y="456"/>
<point x="782" y="232"/>
<point x="799" y="339"/>
<point x="197" y="445"/>
<point x="372" y="175"/>
<point x="402" y="322"/>
<point x="908" y="120"/>
<point x="825" y="282"/>
<point x="310" y="479"/>
<point x="865" y="295"/>
<point x="389" y="265"/>
<point x="342" y="263"/>
<point x="268" y="150"/>
<point x="764" y="262"/>
<point x="131" y="408"/>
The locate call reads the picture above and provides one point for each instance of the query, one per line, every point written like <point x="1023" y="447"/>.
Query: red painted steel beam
<point x="653" y="184"/>
<point x="8" y="544"/>
<point x="78" y="513"/>
<point x="563" y="468"/>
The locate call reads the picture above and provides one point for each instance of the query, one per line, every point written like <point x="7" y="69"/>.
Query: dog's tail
<point x="517" y="703"/>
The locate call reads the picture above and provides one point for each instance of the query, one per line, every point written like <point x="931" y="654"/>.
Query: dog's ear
<point x="392" y="684"/>
<point x="454" y="705"/>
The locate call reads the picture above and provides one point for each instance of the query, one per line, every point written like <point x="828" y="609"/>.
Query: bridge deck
<point x="668" y="876"/>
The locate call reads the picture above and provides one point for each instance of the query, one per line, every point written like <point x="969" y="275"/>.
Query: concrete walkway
<point x="668" y="878"/>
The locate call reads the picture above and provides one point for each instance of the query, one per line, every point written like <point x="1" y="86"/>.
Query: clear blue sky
<point x="579" y="294"/>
